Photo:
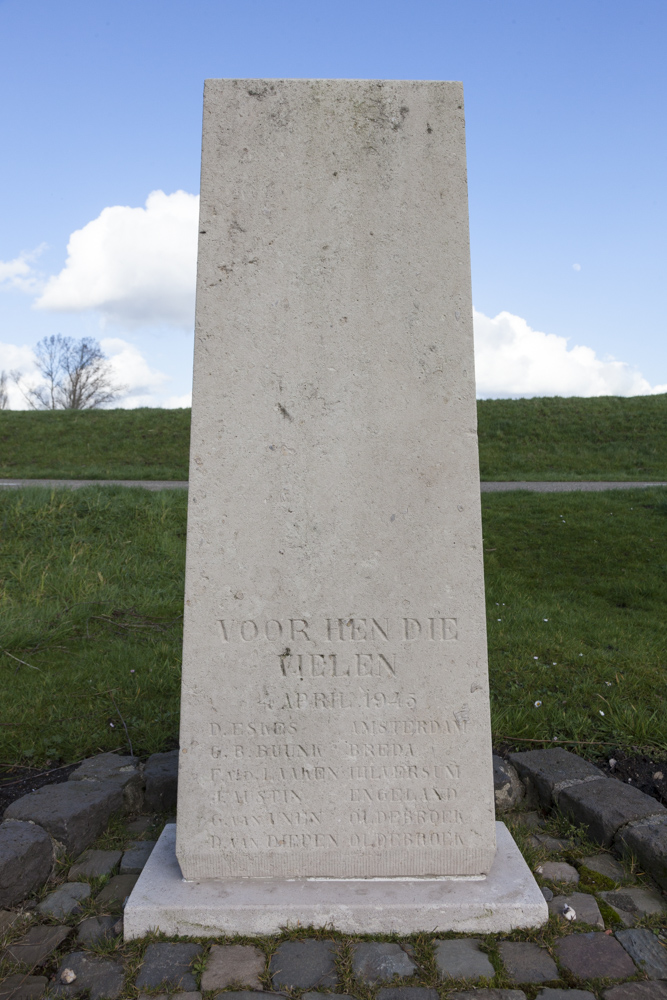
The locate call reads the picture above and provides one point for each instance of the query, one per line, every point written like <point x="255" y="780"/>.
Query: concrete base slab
<point x="507" y="898"/>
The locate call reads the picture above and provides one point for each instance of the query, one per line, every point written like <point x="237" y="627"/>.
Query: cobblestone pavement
<point x="605" y="939"/>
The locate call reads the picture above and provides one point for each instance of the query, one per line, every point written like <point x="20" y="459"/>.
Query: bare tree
<point x="4" y="395"/>
<point x="77" y="375"/>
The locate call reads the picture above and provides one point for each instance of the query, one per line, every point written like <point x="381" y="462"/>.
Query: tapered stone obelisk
<point x="335" y="707"/>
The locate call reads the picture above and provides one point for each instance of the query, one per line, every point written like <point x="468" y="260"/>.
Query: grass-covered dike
<point x="606" y="438"/>
<point x="91" y="592"/>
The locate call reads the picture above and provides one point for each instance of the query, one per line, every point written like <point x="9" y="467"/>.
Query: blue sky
<point x="565" y="107"/>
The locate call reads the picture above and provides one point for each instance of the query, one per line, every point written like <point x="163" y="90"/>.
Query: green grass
<point x="608" y="437"/>
<point x="94" y="444"/>
<point x="91" y="598"/>
<point x="91" y="595"/>
<point x="579" y="583"/>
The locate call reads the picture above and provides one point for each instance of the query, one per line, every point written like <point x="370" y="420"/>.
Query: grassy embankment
<point x="91" y="598"/>
<point x="604" y="438"/>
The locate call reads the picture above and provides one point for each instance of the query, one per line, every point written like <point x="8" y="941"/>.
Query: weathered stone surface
<point x="255" y="995"/>
<point x="375" y="961"/>
<point x="646" y="951"/>
<point x="304" y="965"/>
<point x="96" y="929"/>
<point x="633" y="902"/>
<point x="99" y="977"/>
<point x="36" y="945"/>
<point x="605" y="806"/>
<point x="552" y="993"/>
<point x="93" y="864"/>
<point x="389" y="598"/>
<point x="136" y="856"/>
<point x="585" y="906"/>
<point x="508" y="789"/>
<point x="558" y="871"/>
<point x="314" y="995"/>
<point x="604" y="864"/>
<point x="594" y="956"/>
<point x="637" y="991"/>
<point x="233" y="964"/>
<point x="122" y="771"/>
<point x="547" y="772"/>
<point x="21" y="987"/>
<point x="488" y="995"/>
<point x="73" y="812"/>
<point x="65" y="900"/>
<point x="647" y="840"/>
<point x="527" y="963"/>
<point x="461" y="958"/>
<point x="531" y="820"/>
<point x="161" y="777"/>
<point x="169" y="964"/>
<point x="26" y="859"/>
<point x="116" y="891"/>
<point x="407" y="993"/>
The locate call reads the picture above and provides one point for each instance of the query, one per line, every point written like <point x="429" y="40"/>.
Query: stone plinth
<point x="506" y="899"/>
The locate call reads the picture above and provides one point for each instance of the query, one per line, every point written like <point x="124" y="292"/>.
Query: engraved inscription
<point x="337" y="630"/>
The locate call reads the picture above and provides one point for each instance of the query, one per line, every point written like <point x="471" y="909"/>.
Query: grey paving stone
<point x="558" y="871"/>
<point x="7" y="919"/>
<point x="645" y="951"/>
<point x="26" y="859"/>
<point x="136" y="856"/>
<point x="65" y="900"/>
<point x="375" y="961"/>
<point x="527" y="963"/>
<point x="96" y="929"/>
<point x="116" y="891"/>
<point x="488" y="995"/>
<point x="552" y="843"/>
<point x="637" y="991"/>
<point x="161" y="776"/>
<point x="191" y="995"/>
<point x="36" y="945"/>
<point x="550" y="993"/>
<point x="73" y="812"/>
<point x="632" y="902"/>
<point x="230" y="964"/>
<point x="93" y="864"/>
<point x="99" y="977"/>
<point x="507" y="786"/>
<point x="256" y="995"/>
<point x="604" y="864"/>
<point x="140" y="825"/>
<point x="120" y="770"/>
<point x="303" y="965"/>
<point x="605" y="806"/>
<point x="460" y="958"/>
<point x="407" y="993"/>
<point x="547" y="772"/>
<point x="170" y="964"/>
<point x="305" y="996"/>
<point x="647" y="840"/>
<point x="594" y="956"/>
<point x="585" y="906"/>
<point x="547" y="893"/>
<point x="22" y="987"/>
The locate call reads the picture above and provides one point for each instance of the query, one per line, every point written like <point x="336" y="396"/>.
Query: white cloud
<point x="130" y="369"/>
<point x="512" y="359"/>
<point x="136" y="266"/>
<point x="18" y="273"/>
<point x="576" y="267"/>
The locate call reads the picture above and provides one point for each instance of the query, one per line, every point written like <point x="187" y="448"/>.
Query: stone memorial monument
<point x="335" y="741"/>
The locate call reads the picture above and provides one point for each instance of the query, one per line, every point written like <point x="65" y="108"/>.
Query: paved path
<point x="155" y="484"/>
